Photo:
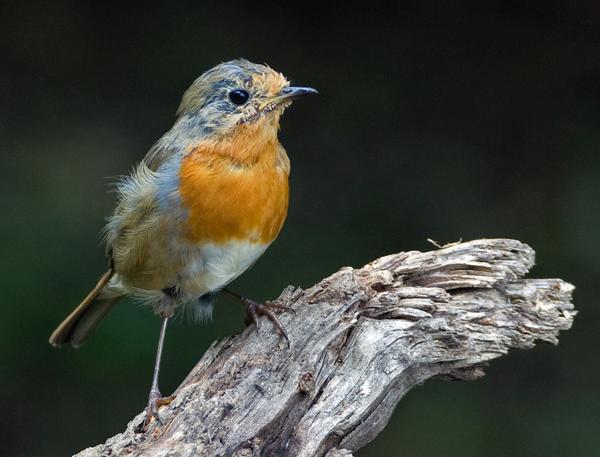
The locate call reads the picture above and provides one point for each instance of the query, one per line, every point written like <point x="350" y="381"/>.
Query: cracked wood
<point x="361" y="339"/>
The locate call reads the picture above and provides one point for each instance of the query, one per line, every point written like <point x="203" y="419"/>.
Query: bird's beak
<point x="291" y="93"/>
<point x="284" y="97"/>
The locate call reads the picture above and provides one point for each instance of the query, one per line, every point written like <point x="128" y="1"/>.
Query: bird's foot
<point x="254" y="309"/>
<point x="155" y="401"/>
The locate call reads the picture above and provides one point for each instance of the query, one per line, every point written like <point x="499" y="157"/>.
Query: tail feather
<point x="79" y="325"/>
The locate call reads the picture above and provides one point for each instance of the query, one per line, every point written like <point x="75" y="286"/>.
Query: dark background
<point x="479" y="119"/>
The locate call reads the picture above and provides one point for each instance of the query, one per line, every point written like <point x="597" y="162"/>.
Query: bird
<point x="199" y="209"/>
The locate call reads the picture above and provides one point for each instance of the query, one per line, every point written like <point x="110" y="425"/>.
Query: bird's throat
<point x="245" y="145"/>
<point x="236" y="189"/>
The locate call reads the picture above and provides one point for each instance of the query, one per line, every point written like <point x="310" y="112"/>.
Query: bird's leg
<point x="254" y="309"/>
<point x="155" y="399"/>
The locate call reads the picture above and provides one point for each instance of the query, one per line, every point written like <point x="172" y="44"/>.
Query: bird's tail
<point x="79" y="325"/>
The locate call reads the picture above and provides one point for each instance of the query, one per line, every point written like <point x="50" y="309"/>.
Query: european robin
<point x="201" y="207"/>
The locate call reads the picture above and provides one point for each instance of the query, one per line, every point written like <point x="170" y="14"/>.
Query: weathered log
<point x="361" y="339"/>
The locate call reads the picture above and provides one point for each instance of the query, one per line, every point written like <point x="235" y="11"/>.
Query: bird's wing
<point x="160" y="152"/>
<point x="136" y="235"/>
<point x="137" y="197"/>
<point x="135" y="211"/>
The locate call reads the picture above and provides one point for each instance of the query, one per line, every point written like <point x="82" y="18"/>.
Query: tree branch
<point x="361" y="339"/>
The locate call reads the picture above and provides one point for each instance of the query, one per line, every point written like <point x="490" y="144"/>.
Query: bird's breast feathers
<point x="226" y="200"/>
<point x="211" y="219"/>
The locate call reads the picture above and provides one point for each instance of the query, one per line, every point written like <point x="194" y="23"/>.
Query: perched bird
<point x="201" y="207"/>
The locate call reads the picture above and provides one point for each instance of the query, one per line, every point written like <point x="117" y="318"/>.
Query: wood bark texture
<point x="360" y="340"/>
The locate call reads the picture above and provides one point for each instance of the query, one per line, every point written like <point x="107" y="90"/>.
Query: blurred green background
<point x="480" y="119"/>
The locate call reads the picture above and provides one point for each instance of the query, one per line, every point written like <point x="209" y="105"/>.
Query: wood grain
<point x="361" y="339"/>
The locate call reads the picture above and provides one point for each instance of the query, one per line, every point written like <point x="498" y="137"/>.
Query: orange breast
<point x="226" y="200"/>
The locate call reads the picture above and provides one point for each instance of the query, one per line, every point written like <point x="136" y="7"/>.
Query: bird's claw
<point x="155" y="401"/>
<point x="254" y="309"/>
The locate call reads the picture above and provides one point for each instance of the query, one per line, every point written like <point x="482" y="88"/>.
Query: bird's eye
<point x="239" y="96"/>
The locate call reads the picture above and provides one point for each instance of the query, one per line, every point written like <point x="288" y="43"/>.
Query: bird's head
<point x="235" y="94"/>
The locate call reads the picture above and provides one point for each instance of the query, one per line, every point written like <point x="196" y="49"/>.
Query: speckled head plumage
<point x="234" y="93"/>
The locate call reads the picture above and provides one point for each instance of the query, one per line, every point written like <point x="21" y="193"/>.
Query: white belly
<point x="206" y="268"/>
<point x="211" y="266"/>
